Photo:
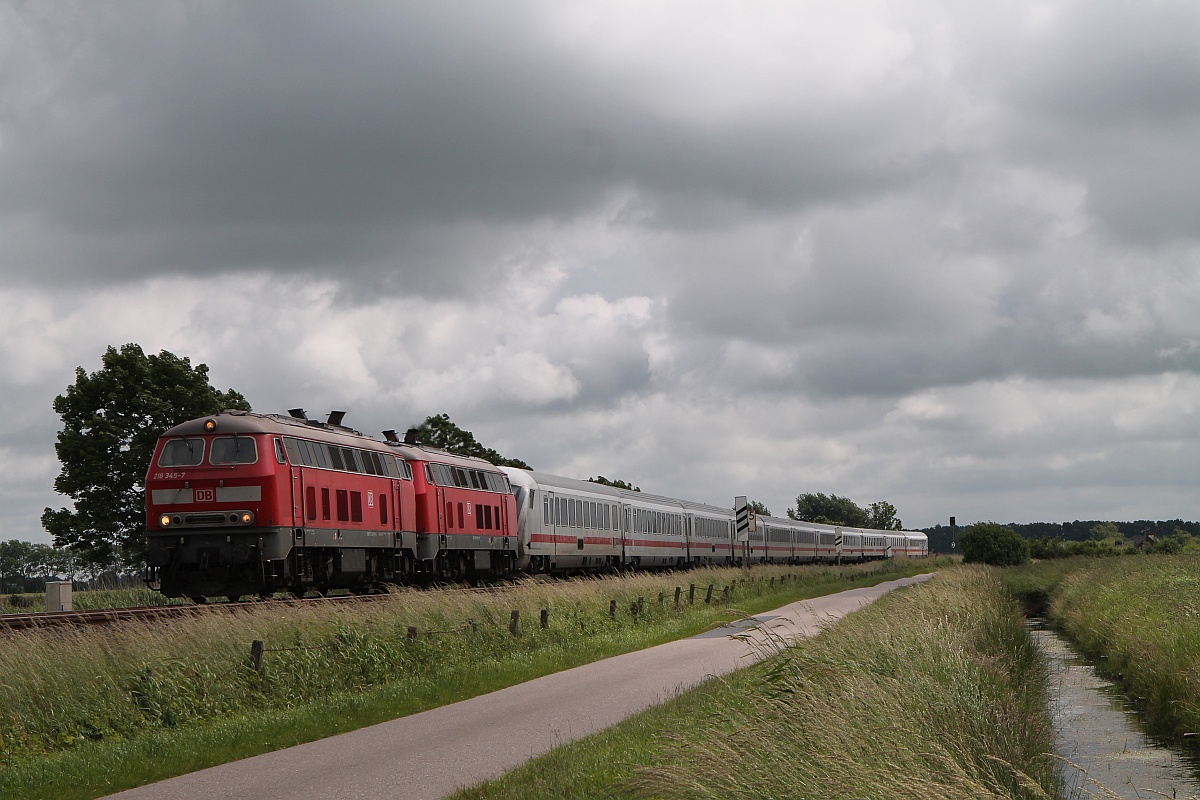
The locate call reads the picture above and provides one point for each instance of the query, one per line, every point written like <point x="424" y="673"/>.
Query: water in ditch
<point x="1106" y="753"/>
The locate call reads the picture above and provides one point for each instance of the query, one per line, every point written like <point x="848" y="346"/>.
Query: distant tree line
<point x="1004" y="545"/>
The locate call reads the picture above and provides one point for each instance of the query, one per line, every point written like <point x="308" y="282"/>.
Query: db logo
<point x="206" y="495"/>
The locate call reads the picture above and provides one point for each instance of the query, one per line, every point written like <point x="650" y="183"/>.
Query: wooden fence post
<point x="545" y="618"/>
<point x="412" y="631"/>
<point x="257" y="648"/>
<point x="708" y="596"/>
<point x="514" y="622"/>
<point x="678" y="592"/>
<point x="692" y="594"/>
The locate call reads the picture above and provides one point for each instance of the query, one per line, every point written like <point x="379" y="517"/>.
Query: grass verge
<point x="85" y="712"/>
<point x="932" y="692"/>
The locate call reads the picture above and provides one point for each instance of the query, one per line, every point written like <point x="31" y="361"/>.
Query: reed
<point x="932" y="692"/>
<point x="1139" y="618"/>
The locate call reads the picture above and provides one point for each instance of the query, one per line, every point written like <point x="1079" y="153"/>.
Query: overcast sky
<point x="941" y="254"/>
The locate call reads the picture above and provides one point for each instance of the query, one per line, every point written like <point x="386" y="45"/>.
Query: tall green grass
<point x="65" y="687"/>
<point x="933" y="692"/>
<point x="1140" y="619"/>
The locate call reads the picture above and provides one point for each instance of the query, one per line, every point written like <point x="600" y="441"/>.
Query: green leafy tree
<point x="24" y="566"/>
<point x="112" y="419"/>
<point x="990" y="543"/>
<point x="438" y="431"/>
<point x="760" y="509"/>
<point x="829" y="509"/>
<point x="1104" y="531"/>
<point x="618" y="484"/>
<point x="882" y="517"/>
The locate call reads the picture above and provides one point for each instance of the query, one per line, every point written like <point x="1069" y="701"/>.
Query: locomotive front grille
<point x="206" y="519"/>
<point x="211" y="519"/>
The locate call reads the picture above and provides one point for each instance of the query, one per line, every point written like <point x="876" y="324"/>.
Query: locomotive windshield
<point x="233" y="450"/>
<point x="182" y="453"/>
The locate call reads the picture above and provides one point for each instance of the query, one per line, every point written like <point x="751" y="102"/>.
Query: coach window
<point x="310" y="500"/>
<point x="182" y="453"/>
<point x="343" y="505"/>
<point x="561" y="512"/>
<point x="356" y="507"/>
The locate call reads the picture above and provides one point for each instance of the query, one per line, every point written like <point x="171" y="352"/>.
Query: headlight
<point x="165" y="520"/>
<point x="247" y="518"/>
<point x="210" y="425"/>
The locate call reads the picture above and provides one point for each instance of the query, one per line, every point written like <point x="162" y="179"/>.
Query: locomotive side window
<point x="279" y="456"/>
<point x="325" y="503"/>
<point x="293" y="450"/>
<point x="383" y="515"/>
<point x="233" y="450"/>
<point x="182" y="453"/>
<point x="356" y="507"/>
<point x="351" y="459"/>
<point x="343" y="505"/>
<point x="310" y="500"/>
<point x="335" y="458"/>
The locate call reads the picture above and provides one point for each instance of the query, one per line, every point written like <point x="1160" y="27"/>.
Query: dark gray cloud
<point x="908" y="251"/>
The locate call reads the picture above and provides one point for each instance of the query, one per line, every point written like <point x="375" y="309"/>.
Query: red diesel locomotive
<point x="241" y="503"/>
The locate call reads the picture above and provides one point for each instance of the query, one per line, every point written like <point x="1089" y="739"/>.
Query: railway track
<point x="109" y="616"/>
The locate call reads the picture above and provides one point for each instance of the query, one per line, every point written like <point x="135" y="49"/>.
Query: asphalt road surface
<point x="428" y="755"/>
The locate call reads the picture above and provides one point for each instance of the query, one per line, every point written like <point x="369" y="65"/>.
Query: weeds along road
<point x="430" y="754"/>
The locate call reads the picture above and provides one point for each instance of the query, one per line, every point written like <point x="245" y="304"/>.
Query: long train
<point x="241" y="504"/>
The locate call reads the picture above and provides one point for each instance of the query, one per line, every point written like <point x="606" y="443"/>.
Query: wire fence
<point x="708" y="594"/>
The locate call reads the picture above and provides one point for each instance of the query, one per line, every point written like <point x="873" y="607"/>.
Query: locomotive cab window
<point x="182" y="453"/>
<point x="233" y="450"/>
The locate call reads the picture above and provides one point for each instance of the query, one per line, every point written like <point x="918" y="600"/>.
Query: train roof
<point x="248" y="422"/>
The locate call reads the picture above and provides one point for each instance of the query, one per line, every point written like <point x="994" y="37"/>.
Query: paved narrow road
<point x="428" y="755"/>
